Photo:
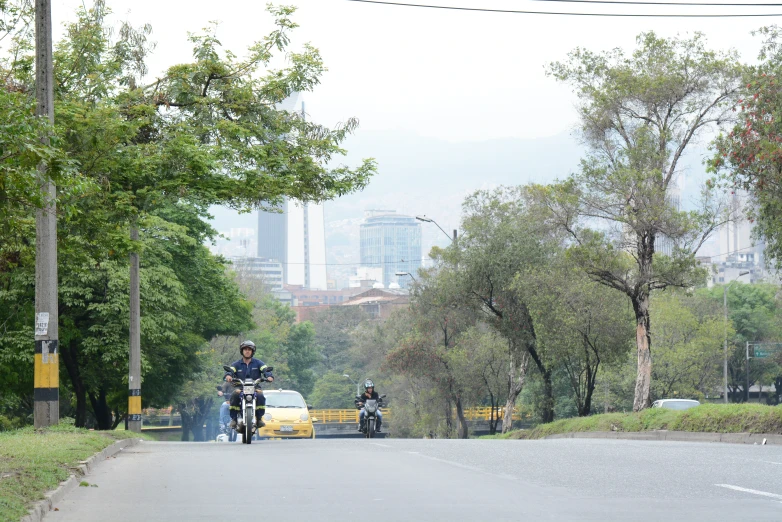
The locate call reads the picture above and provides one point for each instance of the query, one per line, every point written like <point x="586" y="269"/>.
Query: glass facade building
<point x="392" y="242"/>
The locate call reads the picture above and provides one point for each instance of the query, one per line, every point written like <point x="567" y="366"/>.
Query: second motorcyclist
<point x="369" y="393"/>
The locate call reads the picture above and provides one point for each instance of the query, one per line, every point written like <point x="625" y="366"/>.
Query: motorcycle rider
<point x="248" y="367"/>
<point x="369" y="393"/>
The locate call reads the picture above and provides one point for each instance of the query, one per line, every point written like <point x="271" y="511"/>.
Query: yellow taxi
<point x="287" y="416"/>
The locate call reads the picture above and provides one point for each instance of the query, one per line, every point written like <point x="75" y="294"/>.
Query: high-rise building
<point x="392" y="242"/>
<point x="296" y="236"/>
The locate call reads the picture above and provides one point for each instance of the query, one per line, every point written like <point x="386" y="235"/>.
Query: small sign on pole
<point x="41" y="323"/>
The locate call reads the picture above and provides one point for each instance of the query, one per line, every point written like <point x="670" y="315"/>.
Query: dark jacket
<point x="364" y="397"/>
<point x="255" y="370"/>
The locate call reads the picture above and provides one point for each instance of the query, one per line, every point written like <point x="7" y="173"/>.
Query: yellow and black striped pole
<point x="47" y="383"/>
<point x="134" y="359"/>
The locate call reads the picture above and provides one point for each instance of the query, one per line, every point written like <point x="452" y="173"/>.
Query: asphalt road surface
<point x="430" y="480"/>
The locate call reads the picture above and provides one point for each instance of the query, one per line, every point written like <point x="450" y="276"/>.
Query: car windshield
<point x="284" y="400"/>
<point x="679" y="405"/>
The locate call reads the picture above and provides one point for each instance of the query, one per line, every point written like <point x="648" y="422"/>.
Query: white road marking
<point x="381" y="445"/>
<point x="752" y="491"/>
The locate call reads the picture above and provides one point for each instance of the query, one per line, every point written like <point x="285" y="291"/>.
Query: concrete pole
<point x="725" y="349"/>
<point x="47" y="368"/>
<point x="134" y="364"/>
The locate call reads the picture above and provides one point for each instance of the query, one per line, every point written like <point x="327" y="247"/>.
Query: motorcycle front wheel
<point x="370" y="428"/>
<point x="248" y="425"/>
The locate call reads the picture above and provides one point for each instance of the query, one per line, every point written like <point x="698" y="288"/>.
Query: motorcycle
<point x="371" y="406"/>
<point x="248" y="394"/>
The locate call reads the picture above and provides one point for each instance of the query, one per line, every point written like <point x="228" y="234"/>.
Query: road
<point x="431" y="480"/>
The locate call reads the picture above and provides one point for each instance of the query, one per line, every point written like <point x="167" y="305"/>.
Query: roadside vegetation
<point x="710" y="418"/>
<point x="34" y="462"/>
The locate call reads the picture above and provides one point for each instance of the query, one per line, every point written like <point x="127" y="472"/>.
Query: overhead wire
<point x="562" y="13"/>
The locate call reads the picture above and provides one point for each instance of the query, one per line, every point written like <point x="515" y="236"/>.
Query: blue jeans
<point x="363" y="414"/>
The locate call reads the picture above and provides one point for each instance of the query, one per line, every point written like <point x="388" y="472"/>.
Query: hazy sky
<point x="446" y="74"/>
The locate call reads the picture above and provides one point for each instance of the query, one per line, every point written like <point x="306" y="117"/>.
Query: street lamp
<point x="354" y="382"/>
<point x="402" y="274"/>
<point x="725" y="360"/>
<point x="430" y="220"/>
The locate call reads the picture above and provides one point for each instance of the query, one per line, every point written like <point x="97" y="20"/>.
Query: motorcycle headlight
<point x="304" y="416"/>
<point x="249" y="390"/>
<point x="267" y="417"/>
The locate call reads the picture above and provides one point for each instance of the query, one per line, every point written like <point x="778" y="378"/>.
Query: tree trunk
<point x="448" y="419"/>
<point x="463" y="431"/>
<point x="118" y="417"/>
<point x="199" y="418"/>
<point x="517" y="375"/>
<point x="643" y="382"/>
<point x="69" y="354"/>
<point x="547" y="407"/>
<point x="101" y="409"/>
<point x="492" y="417"/>
<point x="591" y="383"/>
<point x="187" y="424"/>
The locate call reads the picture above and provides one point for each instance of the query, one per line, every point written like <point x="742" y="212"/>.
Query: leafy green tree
<point x="502" y="239"/>
<point x="333" y="329"/>
<point x="689" y="348"/>
<point x="639" y="114"/>
<point x="440" y="316"/>
<point x="754" y="316"/>
<point x="332" y="390"/>
<point x="480" y="364"/>
<point x="579" y="323"/>
<point x="749" y="155"/>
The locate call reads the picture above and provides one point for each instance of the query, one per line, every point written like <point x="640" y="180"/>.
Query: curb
<point x="681" y="436"/>
<point x="42" y="507"/>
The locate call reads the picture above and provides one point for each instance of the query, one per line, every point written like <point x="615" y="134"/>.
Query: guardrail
<point x="351" y="415"/>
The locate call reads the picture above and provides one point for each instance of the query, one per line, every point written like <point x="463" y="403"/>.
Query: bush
<point x="714" y="418"/>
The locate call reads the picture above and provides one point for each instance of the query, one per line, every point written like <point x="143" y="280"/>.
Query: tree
<point x="754" y="317"/>
<point x="689" y="348"/>
<point x="332" y="390"/>
<point x="750" y="156"/>
<point x="579" y="323"/>
<point x="639" y="114"/>
<point x="333" y="329"/>
<point x="480" y="364"/>
<point x="209" y="131"/>
<point x="440" y="316"/>
<point x="501" y="239"/>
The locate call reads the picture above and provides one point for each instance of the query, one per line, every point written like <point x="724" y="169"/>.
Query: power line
<point x="515" y="11"/>
<point x="733" y="252"/>
<point x="632" y="2"/>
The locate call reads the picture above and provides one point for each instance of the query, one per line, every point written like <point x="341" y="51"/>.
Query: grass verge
<point x="34" y="462"/>
<point x="712" y="418"/>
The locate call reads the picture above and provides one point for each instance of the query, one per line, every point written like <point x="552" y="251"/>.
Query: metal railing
<point x="351" y="416"/>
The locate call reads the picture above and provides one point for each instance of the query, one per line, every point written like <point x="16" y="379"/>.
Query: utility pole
<point x="134" y="362"/>
<point x="747" y="387"/>
<point x="725" y="348"/>
<point x="47" y="368"/>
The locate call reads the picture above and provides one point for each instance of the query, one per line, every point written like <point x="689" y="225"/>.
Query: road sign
<point x="761" y="353"/>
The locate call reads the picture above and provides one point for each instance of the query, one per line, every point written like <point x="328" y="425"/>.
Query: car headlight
<point x="304" y="416"/>
<point x="267" y="417"/>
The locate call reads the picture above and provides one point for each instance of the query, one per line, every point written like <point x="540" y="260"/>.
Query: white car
<point x="676" y="404"/>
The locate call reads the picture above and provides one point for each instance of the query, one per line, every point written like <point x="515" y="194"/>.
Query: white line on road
<point x="753" y="491"/>
<point x="381" y="445"/>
